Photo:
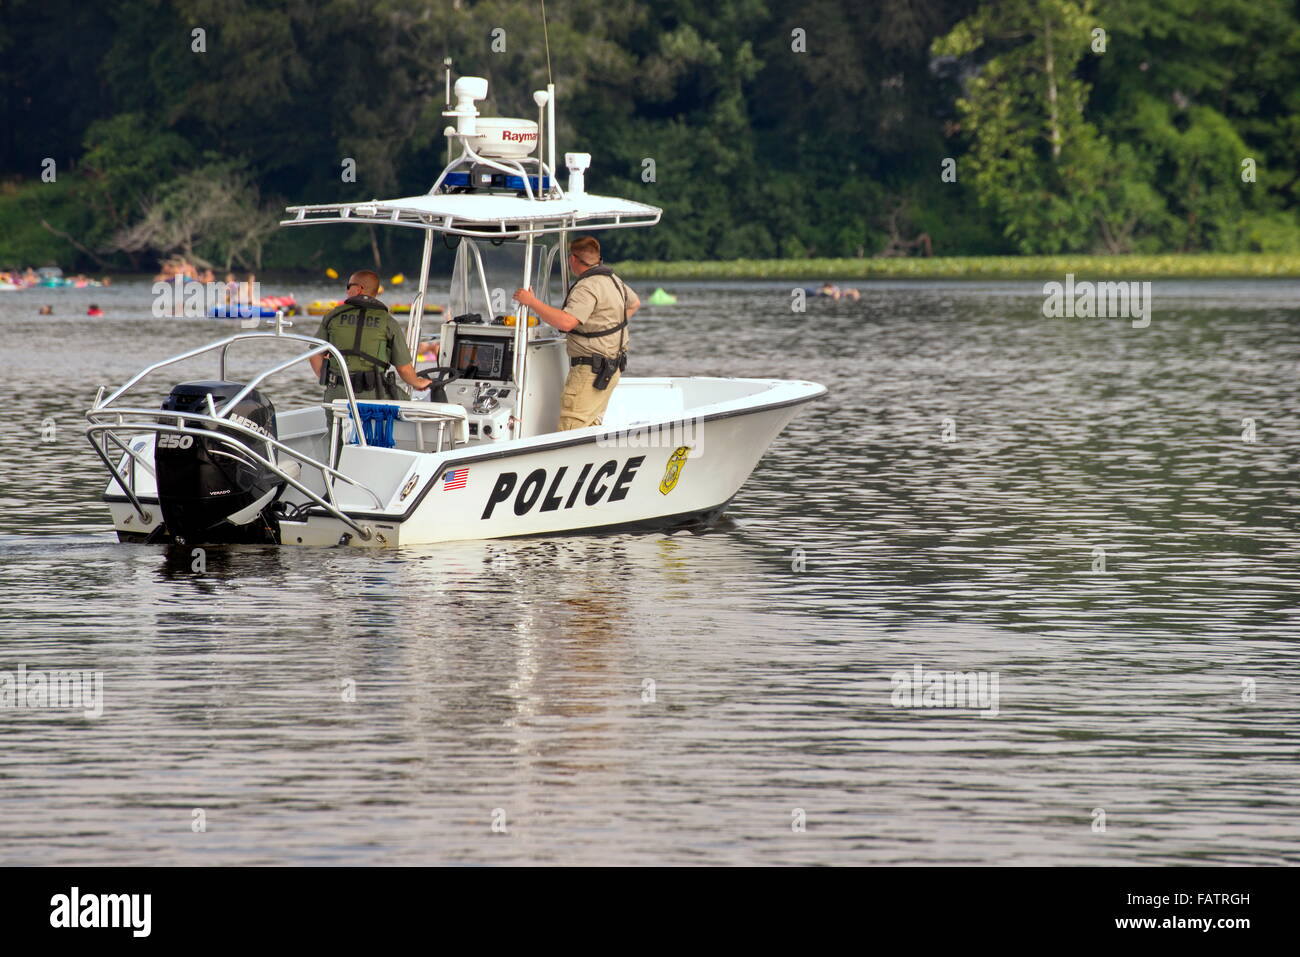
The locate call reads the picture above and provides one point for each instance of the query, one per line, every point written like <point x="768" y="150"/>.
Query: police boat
<point x="478" y="455"/>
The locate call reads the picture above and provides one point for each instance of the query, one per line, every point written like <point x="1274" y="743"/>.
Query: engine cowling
<point x="211" y="491"/>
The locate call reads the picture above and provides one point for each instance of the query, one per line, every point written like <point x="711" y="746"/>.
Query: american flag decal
<point x="455" y="479"/>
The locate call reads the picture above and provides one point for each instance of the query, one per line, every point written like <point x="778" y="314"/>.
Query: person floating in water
<point x="829" y="290"/>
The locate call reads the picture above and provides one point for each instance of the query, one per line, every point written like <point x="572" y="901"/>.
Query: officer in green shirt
<point x="370" y="339"/>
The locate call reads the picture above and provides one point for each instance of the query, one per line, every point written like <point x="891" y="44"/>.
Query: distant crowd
<point x="234" y="290"/>
<point x="47" y="276"/>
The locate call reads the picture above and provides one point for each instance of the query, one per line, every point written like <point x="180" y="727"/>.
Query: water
<point x="512" y="675"/>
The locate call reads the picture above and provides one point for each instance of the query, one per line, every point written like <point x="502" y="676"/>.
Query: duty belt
<point x="360" y="380"/>
<point x="603" y="366"/>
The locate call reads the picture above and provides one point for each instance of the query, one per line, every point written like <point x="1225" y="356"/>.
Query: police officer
<point x="595" y="316"/>
<point x="370" y="339"/>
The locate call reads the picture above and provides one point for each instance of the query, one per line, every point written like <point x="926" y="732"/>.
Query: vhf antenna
<point x="446" y="62"/>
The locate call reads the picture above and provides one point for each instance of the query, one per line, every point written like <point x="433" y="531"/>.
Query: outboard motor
<point x="211" y="492"/>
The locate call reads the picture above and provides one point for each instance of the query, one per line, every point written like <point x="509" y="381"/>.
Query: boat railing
<point x="224" y="345"/>
<point x="379" y="213"/>
<point x="106" y="419"/>
<point x="193" y="424"/>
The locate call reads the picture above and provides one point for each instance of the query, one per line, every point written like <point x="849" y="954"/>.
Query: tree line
<point x="135" y="129"/>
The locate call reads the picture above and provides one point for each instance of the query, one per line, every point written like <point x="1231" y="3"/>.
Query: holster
<point x="604" y="368"/>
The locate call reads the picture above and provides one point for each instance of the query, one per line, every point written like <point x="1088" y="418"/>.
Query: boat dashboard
<point x="483" y="358"/>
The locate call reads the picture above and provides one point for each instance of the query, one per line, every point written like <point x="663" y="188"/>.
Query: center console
<point x="484" y="356"/>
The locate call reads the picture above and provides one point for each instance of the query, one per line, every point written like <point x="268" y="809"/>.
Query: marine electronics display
<point x="483" y="357"/>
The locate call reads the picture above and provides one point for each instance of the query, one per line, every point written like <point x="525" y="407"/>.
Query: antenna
<point x="550" y="109"/>
<point x="446" y="62"/>
<point x="546" y="39"/>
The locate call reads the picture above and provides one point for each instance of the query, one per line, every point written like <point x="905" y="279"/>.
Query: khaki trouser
<point x="582" y="404"/>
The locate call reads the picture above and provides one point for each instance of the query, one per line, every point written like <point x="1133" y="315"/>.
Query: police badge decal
<point x="674" y="471"/>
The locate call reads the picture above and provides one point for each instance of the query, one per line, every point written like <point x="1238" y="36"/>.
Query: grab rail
<point x="157" y="425"/>
<point x="104" y="418"/>
<point x="223" y="344"/>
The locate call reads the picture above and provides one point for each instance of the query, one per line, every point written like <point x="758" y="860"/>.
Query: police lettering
<point x="350" y="319"/>
<point x="526" y="499"/>
<point x="595" y="491"/>
<point x="535" y="487"/>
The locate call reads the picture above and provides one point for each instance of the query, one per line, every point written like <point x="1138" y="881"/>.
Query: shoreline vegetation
<point x="1171" y="266"/>
<point x="873" y="133"/>
<point x="809" y="271"/>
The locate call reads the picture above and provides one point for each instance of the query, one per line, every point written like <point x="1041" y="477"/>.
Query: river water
<point x="1098" y="521"/>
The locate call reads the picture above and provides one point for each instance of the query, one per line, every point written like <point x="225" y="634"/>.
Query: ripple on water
<point x="1067" y="505"/>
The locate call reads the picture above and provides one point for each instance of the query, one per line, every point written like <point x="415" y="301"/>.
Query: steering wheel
<point x="440" y="376"/>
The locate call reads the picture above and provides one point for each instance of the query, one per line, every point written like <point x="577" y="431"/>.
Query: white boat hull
<point x="640" y="471"/>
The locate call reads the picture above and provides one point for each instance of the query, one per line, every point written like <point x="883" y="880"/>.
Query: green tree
<point x="1219" y="84"/>
<point x="211" y="215"/>
<point x="126" y="159"/>
<point x="1054" y="181"/>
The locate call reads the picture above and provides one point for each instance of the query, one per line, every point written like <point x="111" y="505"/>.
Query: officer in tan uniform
<point x="370" y="339"/>
<point x="595" y="316"/>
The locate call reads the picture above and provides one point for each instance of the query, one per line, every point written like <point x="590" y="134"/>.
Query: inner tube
<point x="241" y="312"/>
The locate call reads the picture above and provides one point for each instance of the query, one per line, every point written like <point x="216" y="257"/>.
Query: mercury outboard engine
<point x="210" y="491"/>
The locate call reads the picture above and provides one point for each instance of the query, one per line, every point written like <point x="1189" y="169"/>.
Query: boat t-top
<point x="478" y="455"/>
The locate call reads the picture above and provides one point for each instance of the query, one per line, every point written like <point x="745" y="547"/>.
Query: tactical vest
<point x="618" y="284"/>
<point x="363" y="342"/>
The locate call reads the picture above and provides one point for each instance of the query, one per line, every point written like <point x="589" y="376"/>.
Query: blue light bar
<point x="511" y="182"/>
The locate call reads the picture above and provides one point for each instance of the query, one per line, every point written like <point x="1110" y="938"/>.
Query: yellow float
<point x="322" y="306"/>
